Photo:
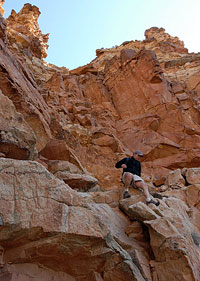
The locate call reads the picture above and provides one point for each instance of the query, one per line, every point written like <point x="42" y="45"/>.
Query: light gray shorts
<point x="135" y="178"/>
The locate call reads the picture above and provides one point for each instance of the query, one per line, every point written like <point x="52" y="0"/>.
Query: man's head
<point x="137" y="154"/>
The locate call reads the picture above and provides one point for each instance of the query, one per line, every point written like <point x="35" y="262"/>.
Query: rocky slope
<point x="61" y="132"/>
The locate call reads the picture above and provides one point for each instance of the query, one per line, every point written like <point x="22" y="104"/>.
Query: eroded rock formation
<point x="24" y="30"/>
<point x="61" y="132"/>
<point x="1" y="7"/>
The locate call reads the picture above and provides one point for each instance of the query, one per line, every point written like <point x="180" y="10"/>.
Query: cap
<point x="139" y="153"/>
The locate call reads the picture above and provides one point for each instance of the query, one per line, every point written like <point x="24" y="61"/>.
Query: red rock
<point x="17" y="139"/>
<point x="25" y="23"/>
<point x="15" y="84"/>
<point x="193" y="195"/>
<point x="169" y="225"/>
<point x="166" y="42"/>
<point x="79" y="182"/>
<point x="3" y="34"/>
<point x="68" y="224"/>
<point x="175" y="179"/>
<point x="18" y="272"/>
<point x="1" y="8"/>
<point x="59" y="150"/>
<point x="135" y="230"/>
<point x="139" y="95"/>
<point x="192" y="175"/>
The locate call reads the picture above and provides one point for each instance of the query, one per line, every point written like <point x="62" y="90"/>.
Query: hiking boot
<point x="157" y="203"/>
<point x="157" y="195"/>
<point x="126" y="195"/>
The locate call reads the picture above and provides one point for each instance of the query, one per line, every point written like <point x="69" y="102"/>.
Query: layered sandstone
<point x="61" y="217"/>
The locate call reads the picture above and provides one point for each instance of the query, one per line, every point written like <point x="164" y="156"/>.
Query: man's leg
<point x="127" y="178"/>
<point x="144" y="187"/>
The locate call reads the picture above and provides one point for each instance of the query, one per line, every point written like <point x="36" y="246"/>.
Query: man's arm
<point x="120" y="163"/>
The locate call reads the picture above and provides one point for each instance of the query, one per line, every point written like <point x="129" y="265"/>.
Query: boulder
<point x="175" y="179"/>
<point x="80" y="182"/>
<point x="172" y="236"/>
<point x="139" y="211"/>
<point x="193" y="195"/>
<point x="193" y="175"/>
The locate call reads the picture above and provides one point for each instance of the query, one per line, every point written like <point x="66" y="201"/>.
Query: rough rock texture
<point x="171" y="239"/>
<point x="17" y="83"/>
<point x="17" y="139"/>
<point x="45" y="222"/>
<point x="59" y="215"/>
<point x="1" y="8"/>
<point x="23" y="29"/>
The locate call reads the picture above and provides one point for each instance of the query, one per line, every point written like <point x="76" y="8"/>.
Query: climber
<point x="131" y="176"/>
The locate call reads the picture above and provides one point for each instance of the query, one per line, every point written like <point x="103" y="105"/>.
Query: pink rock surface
<point x="139" y="95"/>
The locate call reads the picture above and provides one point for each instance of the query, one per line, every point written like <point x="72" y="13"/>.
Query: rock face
<point x="23" y="29"/>
<point x="17" y="138"/>
<point x="17" y="83"/>
<point x="1" y="8"/>
<point x="172" y="236"/>
<point x="61" y="217"/>
<point x="59" y="225"/>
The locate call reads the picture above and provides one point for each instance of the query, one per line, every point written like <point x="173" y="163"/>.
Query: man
<point x="131" y="176"/>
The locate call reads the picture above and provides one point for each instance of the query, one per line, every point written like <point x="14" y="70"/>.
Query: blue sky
<point x="78" y="27"/>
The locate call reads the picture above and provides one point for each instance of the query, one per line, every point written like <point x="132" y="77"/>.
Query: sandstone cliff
<point x="61" y="132"/>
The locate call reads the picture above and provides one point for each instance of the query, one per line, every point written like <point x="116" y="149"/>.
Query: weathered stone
<point x="193" y="82"/>
<point x="78" y="181"/>
<point x="68" y="224"/>
<point x="1" y="8"/>
<point x="135" y="230"/>
<point x="127" y="54"/>
<point x="59" y="150"/>
<point x="194" y="215"/>
<point x="139" y="95"/>
<point x="24" y="29"/>
<point x="55" y="166"/>
<point x="175" y="179"/>
<point x="167" y="42"/>
<point x="193" y="175"/>
<point x="3" y="34"/>
<point x="193" y="195"/>
<point x="17" y="139"/>
<point x="110" y="197"/>
<point x="16" y="83"/>
<point x="171" y="236"/>
<point x="158" y="181"/>
<point x="28" y="272"/>
<point x="141" y="212"/>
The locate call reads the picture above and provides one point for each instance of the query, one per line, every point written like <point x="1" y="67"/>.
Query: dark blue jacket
<point x="133" y="165"/>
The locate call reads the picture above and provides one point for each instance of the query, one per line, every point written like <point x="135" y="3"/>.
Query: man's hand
<point x="123" y="166"/>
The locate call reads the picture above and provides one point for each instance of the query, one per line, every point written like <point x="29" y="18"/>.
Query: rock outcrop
<point x="1" y="8"/>
<point x="61" y="133"/>
<point x="17" y="139"/>
<point x="59" y="228"/>
<point x="24" y="30"/>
